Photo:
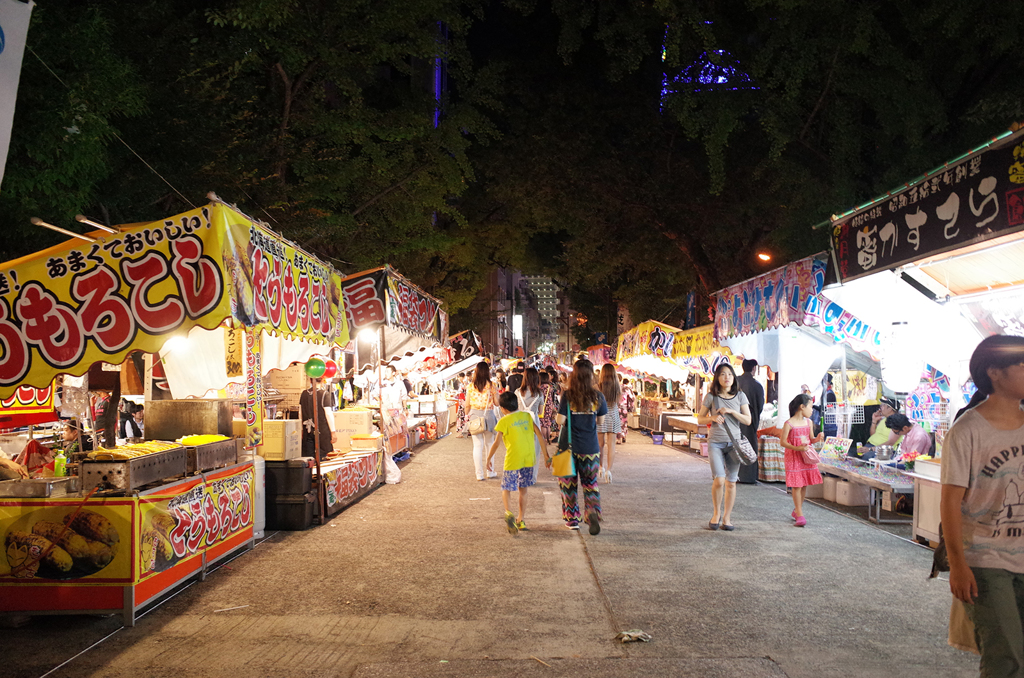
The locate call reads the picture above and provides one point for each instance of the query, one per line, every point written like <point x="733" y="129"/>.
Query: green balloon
<point x="315" y="368"/>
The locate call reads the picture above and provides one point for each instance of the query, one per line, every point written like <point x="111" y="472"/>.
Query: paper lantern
<point x="315" y="368"/>
<point x="330" y="369"/>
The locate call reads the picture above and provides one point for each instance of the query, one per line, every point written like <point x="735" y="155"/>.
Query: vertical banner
<point x="233" y="340"/>
<point x="253" y="388"/>
<point x="14" y="16"/>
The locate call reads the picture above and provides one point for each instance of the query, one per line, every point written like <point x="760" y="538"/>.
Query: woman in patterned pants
<point x="584" y="407"/>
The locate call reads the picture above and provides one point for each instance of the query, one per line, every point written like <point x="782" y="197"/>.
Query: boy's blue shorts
<point x="513" y="480"/>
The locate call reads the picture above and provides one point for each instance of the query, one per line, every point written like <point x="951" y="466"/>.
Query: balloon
<point x="330" y="369"/>
<point x="315" y="368"/>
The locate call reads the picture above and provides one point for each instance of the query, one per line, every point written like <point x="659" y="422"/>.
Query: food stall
<point x="389" y="318"/>
<point x="132" y="522"/>
<point x="782" y="320"/>
<point x="682" y="360"/>
<point x="647" y="349"/>
<point x="944" y="251"/>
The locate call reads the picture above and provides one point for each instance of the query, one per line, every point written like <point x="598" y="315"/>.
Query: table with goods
<point x="878" y="477"/>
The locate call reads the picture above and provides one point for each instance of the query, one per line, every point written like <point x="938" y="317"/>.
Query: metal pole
<point x="321" y="494"/>
<point x="847" y="415"/>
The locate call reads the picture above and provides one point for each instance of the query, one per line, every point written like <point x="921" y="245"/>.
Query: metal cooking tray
<point x="212" y="456"/>
<point x="38" y="487"/>
<point x="131" y="474"/>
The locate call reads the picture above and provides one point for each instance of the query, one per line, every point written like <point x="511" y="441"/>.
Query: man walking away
<point x="755" y="396"/>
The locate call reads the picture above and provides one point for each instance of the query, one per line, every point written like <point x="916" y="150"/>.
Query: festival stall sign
<point x="834" y="321"/>
<point x="28" y="406"/>
<point x="79" y="554"/>
<point x="78" y="303"/>
<point x="648" y="348"/>
<point x="383" y="297"/>
<point x="465" y="345"/>
<point x="769" y="301"/>
<point x="698" y="351"/>
<point x="974" y="198"/>
<point x="180" y="522"/>
<point x="348" y="482"/>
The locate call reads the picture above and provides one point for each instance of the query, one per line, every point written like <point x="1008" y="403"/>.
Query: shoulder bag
<point x="810" y="456"/>
<point x="562" y="464"/>
<point x="478" y="425"/>
<point x="744" y="451"/>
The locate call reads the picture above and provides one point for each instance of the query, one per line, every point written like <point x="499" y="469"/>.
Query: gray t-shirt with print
<point x="718" y="434"/>
<point x="990" y="464"/>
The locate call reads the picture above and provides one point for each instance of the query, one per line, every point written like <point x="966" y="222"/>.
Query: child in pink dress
<point x="796" y="436"/>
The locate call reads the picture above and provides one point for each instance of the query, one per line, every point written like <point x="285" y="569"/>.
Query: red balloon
<point x="330" y="369"/>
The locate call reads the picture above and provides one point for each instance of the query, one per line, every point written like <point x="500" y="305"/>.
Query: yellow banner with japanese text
<point x="72" y="305"/>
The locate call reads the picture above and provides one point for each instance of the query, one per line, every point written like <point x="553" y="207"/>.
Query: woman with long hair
<point x="531" y="399"/>
<point x="481" y="399"/>
<point x="585" y="407"/>
<point x="611" y="427"/>
<point x="980" y="505"/>
<point x="724" y="405"/>
<point x="500" y="381"/>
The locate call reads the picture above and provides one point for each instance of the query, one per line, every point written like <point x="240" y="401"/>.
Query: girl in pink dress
<point x="796" y="436"/>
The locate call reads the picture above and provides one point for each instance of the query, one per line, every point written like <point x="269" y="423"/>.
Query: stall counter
<point x="150" y="543"/>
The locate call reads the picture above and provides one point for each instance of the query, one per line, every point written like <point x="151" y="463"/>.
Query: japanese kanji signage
<point x="978" y="198"/>
<point x="79" y="303"/>
<point x="382" y="297"/>
<point x="772" y="300"/>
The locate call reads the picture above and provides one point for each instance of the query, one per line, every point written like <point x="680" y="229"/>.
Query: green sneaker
<point x="521" y="525"/>
<point x="510" y="522"/>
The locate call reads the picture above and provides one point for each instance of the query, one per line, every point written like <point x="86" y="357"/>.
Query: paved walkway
<point x="421" y="579"/>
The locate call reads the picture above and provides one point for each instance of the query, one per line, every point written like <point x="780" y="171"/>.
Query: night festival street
<point x="421" y="579"/>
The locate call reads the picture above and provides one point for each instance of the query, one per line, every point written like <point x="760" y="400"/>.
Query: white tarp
<point x="14" y="16"/>
<point x="918" y="330"/>
<point x="196" y="365"/>
<point x="800" y="356"/>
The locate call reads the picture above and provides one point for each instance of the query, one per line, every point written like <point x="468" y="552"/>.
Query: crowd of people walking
<point x="585" y="414"/>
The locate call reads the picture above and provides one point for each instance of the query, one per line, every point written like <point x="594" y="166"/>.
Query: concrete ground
<point x="422" y="579"/>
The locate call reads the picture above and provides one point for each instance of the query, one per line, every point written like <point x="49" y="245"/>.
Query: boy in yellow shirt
<point x="520" y="433"/>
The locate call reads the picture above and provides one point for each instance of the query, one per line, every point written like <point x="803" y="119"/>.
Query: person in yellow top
<point x="520" y="433"/>
<point x="880" y="433"/>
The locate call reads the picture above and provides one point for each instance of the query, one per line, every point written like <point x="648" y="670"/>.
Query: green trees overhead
<point x="636" y="150"/>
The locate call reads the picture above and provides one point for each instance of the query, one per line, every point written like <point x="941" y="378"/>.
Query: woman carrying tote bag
<point x="724" y="401"/>
<point x="481" y="399"/>
<point x="588" y="409"/>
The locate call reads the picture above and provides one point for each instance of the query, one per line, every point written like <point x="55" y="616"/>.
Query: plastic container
<point x="291" y="512"/>
<point x="288" y="477"/>
<point x="60" y="468"/>
<point x="658" y="437"/>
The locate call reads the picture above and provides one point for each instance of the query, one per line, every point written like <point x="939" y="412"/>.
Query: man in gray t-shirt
<point x="990" y="464"/>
